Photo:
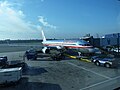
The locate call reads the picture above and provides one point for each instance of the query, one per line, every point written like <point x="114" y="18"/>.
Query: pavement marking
<point x="86" y="60"/>
<point x="75" y="57"/>
<point x="100" y="83"/>
<point x="89" y="70"/>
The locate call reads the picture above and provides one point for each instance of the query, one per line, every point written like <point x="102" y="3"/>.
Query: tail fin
<point x="43" y="36"/>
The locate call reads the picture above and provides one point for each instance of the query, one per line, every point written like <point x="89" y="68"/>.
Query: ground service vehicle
<point x="31" y="54"/>
<point x="3" y="60"/>
<point x="10" y="75"/>
<point x="103" y="61"/>
<point x="53" y="54"/>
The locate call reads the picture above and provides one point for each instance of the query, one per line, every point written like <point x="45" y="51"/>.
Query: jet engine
<point x="45" y="50"/>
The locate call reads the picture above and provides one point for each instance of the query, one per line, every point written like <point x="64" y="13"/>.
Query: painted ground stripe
<point x="74" y="57"/>
<point x="86" y="60"/>
<point x="89" y="70"/>
<point x="100" y="83"/>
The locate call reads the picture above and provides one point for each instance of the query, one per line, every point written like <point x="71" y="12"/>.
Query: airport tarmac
<point x="68" y="74"/>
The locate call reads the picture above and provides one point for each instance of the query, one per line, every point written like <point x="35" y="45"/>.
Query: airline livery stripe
<point x="69" y="46"/>
<point x="78" y="46"/>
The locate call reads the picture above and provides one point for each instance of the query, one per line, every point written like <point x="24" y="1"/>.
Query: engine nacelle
<point x="45" y="50"/>
<point x="58" y="47"/>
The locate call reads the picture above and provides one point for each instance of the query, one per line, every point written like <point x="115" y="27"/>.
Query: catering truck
<point x="10" y="75"/>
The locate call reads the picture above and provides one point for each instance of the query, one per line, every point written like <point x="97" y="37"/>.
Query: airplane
<point x="79" y="45"/>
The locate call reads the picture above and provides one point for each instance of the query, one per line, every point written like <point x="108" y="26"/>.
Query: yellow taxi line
<point x="74" y="57"/>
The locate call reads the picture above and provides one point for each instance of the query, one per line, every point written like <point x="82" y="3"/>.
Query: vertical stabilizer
<point x="43" y="36"/>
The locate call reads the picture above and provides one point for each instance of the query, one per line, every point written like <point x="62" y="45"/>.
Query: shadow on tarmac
<point x="33" y="71"/>
<point x="50" y="59"/>
<point x="25" y="85"/>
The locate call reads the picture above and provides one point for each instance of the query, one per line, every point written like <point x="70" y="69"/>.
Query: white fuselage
<point x="81" y="45"/>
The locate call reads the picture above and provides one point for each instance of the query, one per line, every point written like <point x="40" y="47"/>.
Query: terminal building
<point x="106" y="40"/>
<point x="110" y="40"/>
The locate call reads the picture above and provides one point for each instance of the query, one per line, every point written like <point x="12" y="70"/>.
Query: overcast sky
<point x="23" y="19"/>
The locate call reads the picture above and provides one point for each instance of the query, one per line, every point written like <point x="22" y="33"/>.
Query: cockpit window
<point x="87" y="44"/>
